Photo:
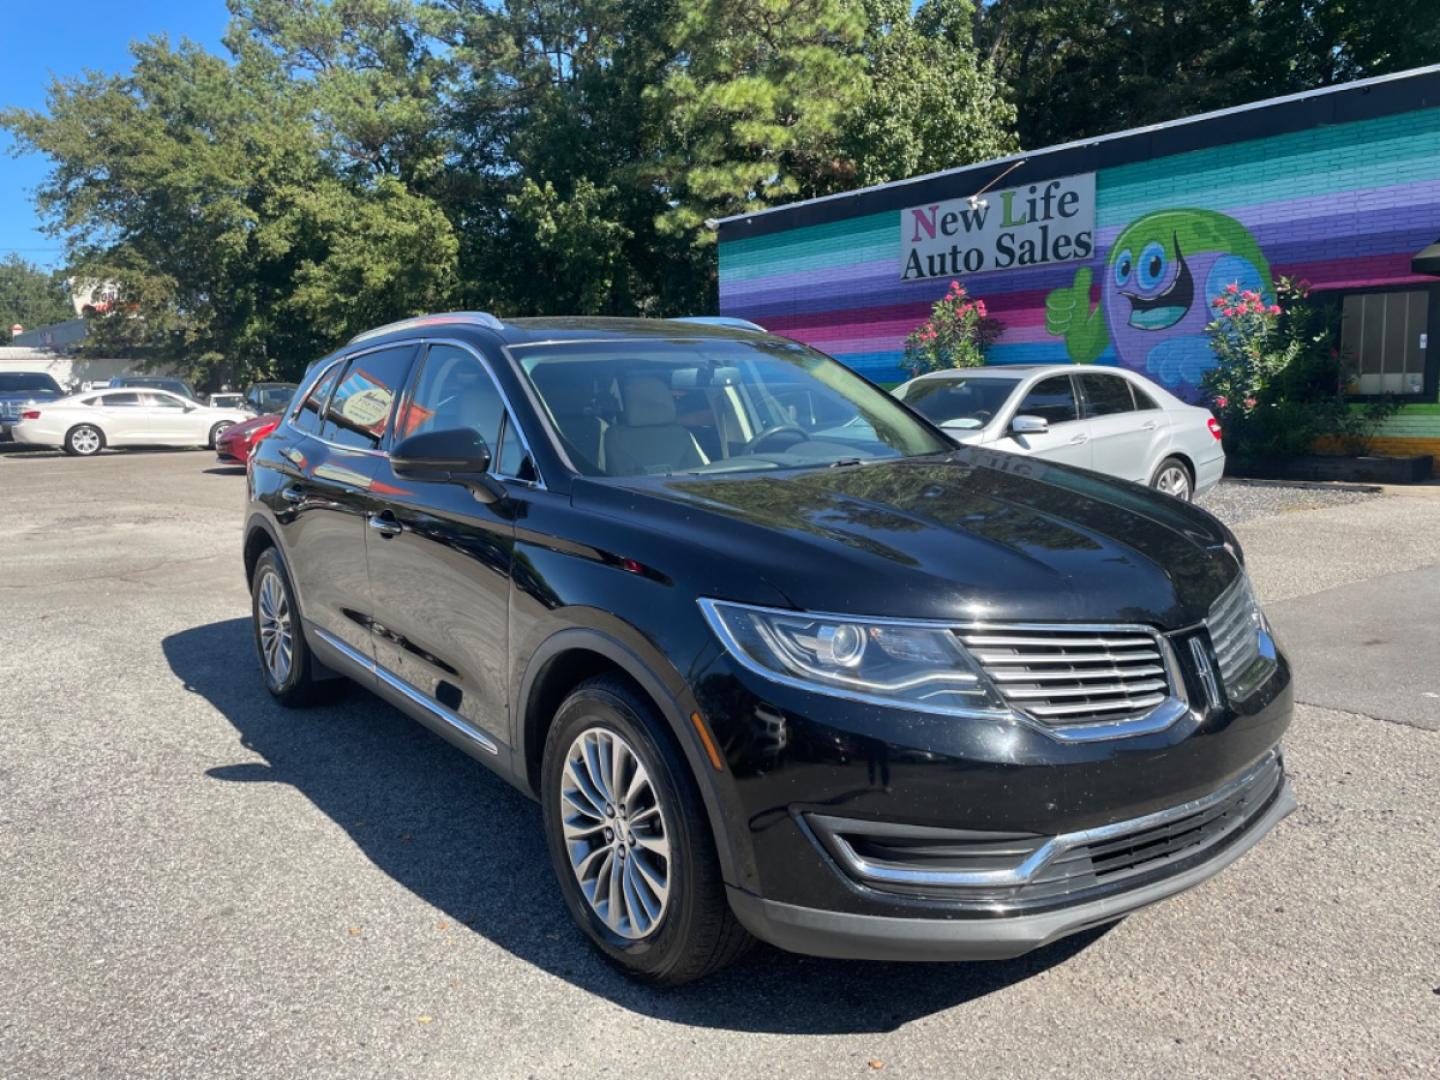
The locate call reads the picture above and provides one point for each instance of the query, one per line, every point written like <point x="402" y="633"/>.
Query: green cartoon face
<point x="1159" y="277"/>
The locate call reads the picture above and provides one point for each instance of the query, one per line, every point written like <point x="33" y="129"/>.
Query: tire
<point x="84" y="440"/>
<point x="1172" y="476"/>
<point x="272" y="602"/>
<point x="217" y="431"/>
<point x="687" y="933"/>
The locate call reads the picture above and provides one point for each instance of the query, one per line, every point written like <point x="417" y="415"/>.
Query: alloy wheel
<point x="1174" y="480"/>
<point x="85" y="440"/>
<point x="615" y="833"/>
<point x="277" y="643"/>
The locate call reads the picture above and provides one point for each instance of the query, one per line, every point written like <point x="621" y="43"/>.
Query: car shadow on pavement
<point x="447" y="829"/>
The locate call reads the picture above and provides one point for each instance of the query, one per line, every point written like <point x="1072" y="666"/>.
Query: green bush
<point x="1280" y="382"/>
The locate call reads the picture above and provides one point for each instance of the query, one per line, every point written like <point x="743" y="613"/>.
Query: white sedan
<point x="1107" y="419"/>
<point x="85" y="424"/>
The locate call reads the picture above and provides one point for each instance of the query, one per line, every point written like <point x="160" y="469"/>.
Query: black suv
<point x="775" y="657"/>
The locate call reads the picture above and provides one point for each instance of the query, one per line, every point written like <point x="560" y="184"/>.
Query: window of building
<point x="1382" y="335"/>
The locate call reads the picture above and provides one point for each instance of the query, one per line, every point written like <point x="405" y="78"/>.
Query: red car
<point x="235" y="443"/>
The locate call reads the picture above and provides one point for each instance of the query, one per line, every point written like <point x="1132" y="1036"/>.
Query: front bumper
<point x="851" y="936"/>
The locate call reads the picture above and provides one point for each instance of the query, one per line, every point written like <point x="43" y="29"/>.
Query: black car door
<point x="440" y="559"/>
<point x="330" y="452"/>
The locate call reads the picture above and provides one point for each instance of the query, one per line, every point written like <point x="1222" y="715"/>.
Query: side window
<point x="1143" y="400"/>
<point x="163" y="401"/>
<point x="127" y="400"/>
<point x="512" y="459"/>
<point x="307" y="417"/>
<point x="454" y="391"/>
<point x="360" y="410"/>
<point x="1051" y="399"/>
<point x="1106" y="395"/>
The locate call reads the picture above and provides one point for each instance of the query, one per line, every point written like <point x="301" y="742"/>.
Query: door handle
<point x="385" y="524"/>
<point x="1079" y="440"/>
<point x="292" y="494"/>
<point x="1149" y="425"/>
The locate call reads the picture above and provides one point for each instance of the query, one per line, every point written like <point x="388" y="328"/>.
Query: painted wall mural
<point x="1343" y="205"/>
<point x="1155" y="292"/>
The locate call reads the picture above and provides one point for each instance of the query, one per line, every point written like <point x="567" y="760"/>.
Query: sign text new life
<point x="1045" y="222"/>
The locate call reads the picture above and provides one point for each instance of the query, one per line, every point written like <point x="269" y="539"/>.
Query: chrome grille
<point x="1073" y="676"/>
<point x="1234" y="625"/>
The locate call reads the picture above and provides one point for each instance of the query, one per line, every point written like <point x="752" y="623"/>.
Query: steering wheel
<point x="753" y="446"/>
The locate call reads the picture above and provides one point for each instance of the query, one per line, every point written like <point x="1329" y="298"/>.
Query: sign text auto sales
<point x="1046" y="222"/>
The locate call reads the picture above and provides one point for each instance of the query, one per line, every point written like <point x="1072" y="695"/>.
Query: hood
<point x="975" y="535"/>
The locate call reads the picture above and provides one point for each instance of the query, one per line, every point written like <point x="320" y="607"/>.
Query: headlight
<point x="885" y="661"/>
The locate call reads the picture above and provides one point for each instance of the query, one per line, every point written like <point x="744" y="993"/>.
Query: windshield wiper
<point x="843" y="462"/>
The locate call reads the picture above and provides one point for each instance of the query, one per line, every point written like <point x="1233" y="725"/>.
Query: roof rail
<point x="720" y="320"/>
<point x="474" y="318"/>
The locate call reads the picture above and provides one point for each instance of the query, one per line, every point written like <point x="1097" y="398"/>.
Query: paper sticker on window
<point x="367" y="408"/>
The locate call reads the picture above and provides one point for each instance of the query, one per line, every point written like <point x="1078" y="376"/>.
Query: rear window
<point x="22" y="382"/>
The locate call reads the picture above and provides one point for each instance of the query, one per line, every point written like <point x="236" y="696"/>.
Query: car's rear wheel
<point x="285" y="661"/>
<point x="217" y="431"/>
<point x="1173" y="478"/>
<point x="84" y="440"/>
<point x="629" y="839"/>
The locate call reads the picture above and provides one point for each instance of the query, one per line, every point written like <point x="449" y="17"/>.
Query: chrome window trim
<point x="1162" y="717"/>
<point x="1025" y="871"/>
<point x="433" y="707"/>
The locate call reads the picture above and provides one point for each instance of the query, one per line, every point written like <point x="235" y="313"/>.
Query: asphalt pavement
<point x="197" y="883"/>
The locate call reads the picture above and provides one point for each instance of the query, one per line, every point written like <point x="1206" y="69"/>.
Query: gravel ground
<point x="1234" y="501"/>
<point x="197" y="883"/>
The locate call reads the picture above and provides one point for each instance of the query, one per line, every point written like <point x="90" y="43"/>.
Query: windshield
<point x="718" y="405"/>
<point x="959" y="402"/>
<point x="20" y="382"/>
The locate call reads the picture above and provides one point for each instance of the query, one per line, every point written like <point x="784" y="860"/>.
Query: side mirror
<point x="1029" y="425"/>
<point x="450" y="456"/>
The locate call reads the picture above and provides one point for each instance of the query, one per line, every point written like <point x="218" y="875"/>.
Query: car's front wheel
<point x="629" y="839"/>
<point x="84" y="440"/>
<point x="217" y="431"/>
<point x="1173" y="478"/>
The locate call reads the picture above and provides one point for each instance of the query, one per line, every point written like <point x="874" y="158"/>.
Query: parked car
<point x="156" y="382"/>
<point x="85" y="424"/>
<point x="225" y="400"/>
<point x="21" y="390"/>
<point x="269" y="397"/>
<point x="1103" y="418"/>
<point x="833" y="682"/>
<point x="234" y="445"/>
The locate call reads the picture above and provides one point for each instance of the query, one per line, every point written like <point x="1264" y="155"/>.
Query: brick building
<point x="1108" y="250"/>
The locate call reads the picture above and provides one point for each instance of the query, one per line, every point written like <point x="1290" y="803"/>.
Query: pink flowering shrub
<point x="956" y="334"/>
<point x="1280" y="381"/>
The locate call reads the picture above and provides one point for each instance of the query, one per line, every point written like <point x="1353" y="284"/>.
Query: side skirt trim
<point x="424" y="701"/>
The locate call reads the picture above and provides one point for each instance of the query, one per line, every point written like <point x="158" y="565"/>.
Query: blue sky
<point x="44" y="38"/>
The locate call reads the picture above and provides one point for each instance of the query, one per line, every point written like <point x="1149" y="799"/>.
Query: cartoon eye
<point x="1152" y="266"/>
<point x="1124" y="263"/>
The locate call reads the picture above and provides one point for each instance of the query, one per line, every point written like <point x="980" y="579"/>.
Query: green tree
<point x="1079" y="68"/>
<point x="31" y="297"/>
<point x="932" y="101"/>
<point x="205" y="192"/>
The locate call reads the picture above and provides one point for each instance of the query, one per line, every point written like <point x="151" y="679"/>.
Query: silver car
<point x="1103" y="418"/>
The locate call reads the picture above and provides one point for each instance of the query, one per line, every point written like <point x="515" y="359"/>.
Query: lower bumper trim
<point x="847" y="936"/>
